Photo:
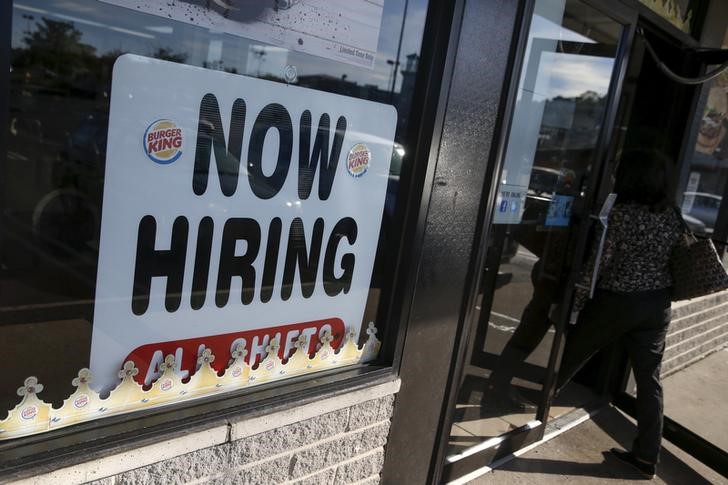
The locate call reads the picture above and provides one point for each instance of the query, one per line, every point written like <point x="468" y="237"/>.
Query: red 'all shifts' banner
<point x="148" y="357"/>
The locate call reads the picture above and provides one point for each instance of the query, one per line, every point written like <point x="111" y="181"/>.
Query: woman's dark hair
<point x="643" y="177"/>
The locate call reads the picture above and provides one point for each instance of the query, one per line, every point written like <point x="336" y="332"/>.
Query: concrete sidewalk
<point x="695" y="397"/>
<point x="581" y="456"/>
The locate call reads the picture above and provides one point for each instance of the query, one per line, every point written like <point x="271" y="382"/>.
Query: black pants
<point x="639" y="322"/>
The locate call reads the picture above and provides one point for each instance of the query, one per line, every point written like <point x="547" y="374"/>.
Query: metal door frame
<point x="469" y="103"/>
<point x="531" y="433"/>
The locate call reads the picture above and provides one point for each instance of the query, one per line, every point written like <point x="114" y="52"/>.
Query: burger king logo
<point x="357" y="163"/>
<point x="29" y="413"/>
<point x="166" y="385"/>
<point x="163" y="141"/>
<point x="81" y="401"/>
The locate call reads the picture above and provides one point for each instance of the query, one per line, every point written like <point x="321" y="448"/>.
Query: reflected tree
<point x="56" y="47"/>
<point x="167" y="54"/>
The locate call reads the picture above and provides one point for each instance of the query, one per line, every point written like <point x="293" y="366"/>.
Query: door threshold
<point x="553" y="429"/>
<point x="490" y="443"/>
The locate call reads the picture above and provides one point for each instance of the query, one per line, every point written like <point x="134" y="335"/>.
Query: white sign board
<point x="196" y="244"/>
<point x="342" y="30"/>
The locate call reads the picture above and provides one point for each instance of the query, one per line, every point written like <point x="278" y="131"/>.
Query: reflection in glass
<point x="53" y="170"/>
<point x="556" y="125"/>
<point x="706" y="183"/>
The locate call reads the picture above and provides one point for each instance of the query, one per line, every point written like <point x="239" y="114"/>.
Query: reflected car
<point x="704" y="208"/>
<point x="695" y="225"/>
<point x="544" y="180"/>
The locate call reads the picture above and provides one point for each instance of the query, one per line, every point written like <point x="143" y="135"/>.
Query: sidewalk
<point x="578" y="456"/>
<point x="695" y="397"/>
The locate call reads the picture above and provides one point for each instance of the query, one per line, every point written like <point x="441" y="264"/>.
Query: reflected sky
<point x="572" y="75"/>
<point x="109" y="28"/>
<point x="562" y="74"/>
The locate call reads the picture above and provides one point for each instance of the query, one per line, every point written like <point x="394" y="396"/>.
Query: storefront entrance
<point x="587" y="90"/>
<point x="545" y="206"/>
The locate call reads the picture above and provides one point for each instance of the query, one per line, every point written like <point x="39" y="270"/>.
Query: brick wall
<point x="699" y="327"/>
<point x="334" y="441"/>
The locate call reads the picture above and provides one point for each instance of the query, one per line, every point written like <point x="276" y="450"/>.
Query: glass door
<point x="539" y="222"/>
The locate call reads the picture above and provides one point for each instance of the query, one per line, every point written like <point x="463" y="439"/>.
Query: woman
<point x="631" y="303"/>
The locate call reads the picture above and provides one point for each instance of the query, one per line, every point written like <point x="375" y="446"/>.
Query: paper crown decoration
<point x="33" y="415"/>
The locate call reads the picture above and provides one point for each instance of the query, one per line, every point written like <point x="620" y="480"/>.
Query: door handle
<point x="603" y="219"/>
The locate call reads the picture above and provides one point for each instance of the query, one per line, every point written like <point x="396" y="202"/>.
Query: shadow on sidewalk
<point x="609" y="468"/>
<point x="582" y="447"/>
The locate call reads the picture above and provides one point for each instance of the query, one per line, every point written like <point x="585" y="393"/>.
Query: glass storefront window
<point x="111" y="251"/>
<point x="703" y="189"/>
<point x="694" y="368"/>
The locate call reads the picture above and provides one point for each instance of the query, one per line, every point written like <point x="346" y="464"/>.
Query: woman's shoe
<point x="645" y="468"/>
